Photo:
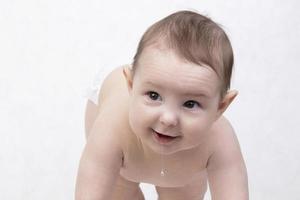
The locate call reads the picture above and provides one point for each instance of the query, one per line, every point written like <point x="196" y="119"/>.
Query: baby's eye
<point x="191" y="104"/>
<point x="153" y="95"/>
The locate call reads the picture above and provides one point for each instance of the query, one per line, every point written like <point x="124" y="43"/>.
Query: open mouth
<point x="163" y="138"/>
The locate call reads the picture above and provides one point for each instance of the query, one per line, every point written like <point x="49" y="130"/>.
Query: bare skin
<point x="186" y="176"/>
<point x="136" y="168"/>
<point x="122" y="151"/>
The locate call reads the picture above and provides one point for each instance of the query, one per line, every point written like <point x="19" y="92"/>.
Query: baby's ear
<point x="226" y="101"/>
<point x="127" y="72"/>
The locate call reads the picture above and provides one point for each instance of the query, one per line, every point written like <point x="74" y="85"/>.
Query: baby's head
<point x="195" y="39"/>
<point x="179" y="80"/>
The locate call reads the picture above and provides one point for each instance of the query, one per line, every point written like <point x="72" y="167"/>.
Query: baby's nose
<point x="169" y="118"/>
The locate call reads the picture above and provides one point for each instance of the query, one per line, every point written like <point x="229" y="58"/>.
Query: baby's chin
<point x="171" y="151"/>
<point x="168" y="150"/>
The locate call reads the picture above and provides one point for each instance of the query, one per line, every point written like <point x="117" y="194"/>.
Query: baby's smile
<point x="164" y="138"/>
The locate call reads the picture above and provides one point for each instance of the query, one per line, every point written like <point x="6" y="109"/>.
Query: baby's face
<point x="172" y="97"/>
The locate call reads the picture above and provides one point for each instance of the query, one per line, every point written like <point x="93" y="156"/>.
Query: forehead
<point x="164" y="68"/>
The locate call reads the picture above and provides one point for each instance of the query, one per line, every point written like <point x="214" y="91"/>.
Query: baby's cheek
<point x="195" y="125"/>
<point x="136" y="117"/>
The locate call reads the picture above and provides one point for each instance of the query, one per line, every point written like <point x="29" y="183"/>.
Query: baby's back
<point x="113" y="85"/>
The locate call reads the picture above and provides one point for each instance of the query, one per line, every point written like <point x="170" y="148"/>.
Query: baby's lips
<point x="167" y="135"/>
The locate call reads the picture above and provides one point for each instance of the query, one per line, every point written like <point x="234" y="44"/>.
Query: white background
<point x="51" y="50"/>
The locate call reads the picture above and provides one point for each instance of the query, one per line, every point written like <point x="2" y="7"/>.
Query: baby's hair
<point x="196" y="39"/>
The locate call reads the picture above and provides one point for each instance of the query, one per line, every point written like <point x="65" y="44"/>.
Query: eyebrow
<point x="201" y="93"/>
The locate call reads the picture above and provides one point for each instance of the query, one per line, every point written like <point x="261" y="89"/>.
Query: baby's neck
<point x="153" y="155"/>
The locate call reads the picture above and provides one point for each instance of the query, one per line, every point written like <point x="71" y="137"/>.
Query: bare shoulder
<point x="222" y="131"/>
<point x="114" y="98"/>
<point x="113" y="105"/>
<point x="224" y="143"/>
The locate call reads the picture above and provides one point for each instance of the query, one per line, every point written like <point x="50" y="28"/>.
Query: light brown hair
<point x="195" y="38"/>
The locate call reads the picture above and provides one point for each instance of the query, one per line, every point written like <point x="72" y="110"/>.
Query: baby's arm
<point x="227" y="174"/>
<point x="101" y="160"/>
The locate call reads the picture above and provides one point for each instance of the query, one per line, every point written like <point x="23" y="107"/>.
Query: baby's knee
<point x="140" y="195"/>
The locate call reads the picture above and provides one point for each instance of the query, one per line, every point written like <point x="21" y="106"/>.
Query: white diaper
<point x="92" y="92"/>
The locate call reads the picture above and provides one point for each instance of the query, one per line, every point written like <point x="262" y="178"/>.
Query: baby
<point x="159" y="120"/>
